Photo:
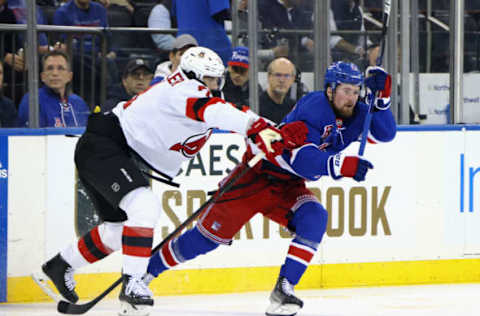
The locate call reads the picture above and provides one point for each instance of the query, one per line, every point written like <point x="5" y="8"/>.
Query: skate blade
<point x="276" y="309"/>
<point x="41" y="280"/>
<point x="127" y="309"/>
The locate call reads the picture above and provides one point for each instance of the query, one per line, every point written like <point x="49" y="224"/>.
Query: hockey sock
<point x="136" y="249"/>
<point x="310" y="222"/>
<point x="185" y="247"/>
<point x="299" y="255"/>
<point x="89" y="249"/>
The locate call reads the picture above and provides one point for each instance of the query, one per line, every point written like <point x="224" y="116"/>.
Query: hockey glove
<point x="354" y="167"/>
<point x="294" y="134"/>
<point x="380" y="84"/>
<point x="266" y="137"/>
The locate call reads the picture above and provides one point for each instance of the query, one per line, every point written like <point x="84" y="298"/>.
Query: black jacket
<point x="8" y="113"/>
<point x="115" y="95"/>
<point x="274" y="111"/>
<point x="273" y="16"/>
<point x="235" y="94"/>
<point x="8" y="17"/>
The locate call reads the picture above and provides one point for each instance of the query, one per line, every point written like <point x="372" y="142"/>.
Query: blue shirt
<point x="71" y="15"/>
<point x="55" y="112"/>
<point x="19" y="8"/>
<point x="314" y="109"/>
<point x="194" y="17"/>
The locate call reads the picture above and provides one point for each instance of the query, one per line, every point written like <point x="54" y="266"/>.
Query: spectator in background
<point x="274" y="101"/>
<point x="136" y="78"/>
<point x="8" y="111"/>
<point x="180" y="45"/>
<point x="15" y="66"/>
<point x="236" y="89"/>
<point x="87" y="13"/>
<point x="290" y="14"/>
<point x="204" y="20"/>
<point x="19" y="8"/>
<point x="266" y="55"/>
<point x="121" y="3"/>
<point x="160" y="18"/>
<point x="57" y="107"/>
<point x="347" y="15"/>
<point x="287" y="14"/>
<point x="9" y="46"/>
<point x="7" y="17"/>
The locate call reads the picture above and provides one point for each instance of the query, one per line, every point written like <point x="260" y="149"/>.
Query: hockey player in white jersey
<point x="163" y="126"/>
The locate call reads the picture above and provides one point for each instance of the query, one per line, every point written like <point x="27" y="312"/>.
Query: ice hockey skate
<point x="135" y="297"/>
<point x="61" y="274"/>
<point x="283" y="301"/>
<point x="42" y="281"/>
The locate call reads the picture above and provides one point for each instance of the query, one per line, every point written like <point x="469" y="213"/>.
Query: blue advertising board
<point x="3" y="216"/>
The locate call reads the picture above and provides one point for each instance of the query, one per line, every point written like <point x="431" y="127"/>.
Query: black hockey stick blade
<point x="65" y="307"/>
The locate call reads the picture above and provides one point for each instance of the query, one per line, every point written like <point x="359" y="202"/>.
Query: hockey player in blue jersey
<point x="326" y="122"/>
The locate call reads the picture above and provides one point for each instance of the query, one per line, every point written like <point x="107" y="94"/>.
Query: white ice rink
<point x="422" y="300"/>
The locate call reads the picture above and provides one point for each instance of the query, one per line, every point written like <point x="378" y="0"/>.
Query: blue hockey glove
<point x="354" y="167"/>
<point x="379" y="82"/>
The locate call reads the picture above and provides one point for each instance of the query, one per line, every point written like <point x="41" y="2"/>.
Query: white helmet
<point x="198" y="62"/>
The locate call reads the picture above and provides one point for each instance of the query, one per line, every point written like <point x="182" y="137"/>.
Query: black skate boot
<point x="283" y="301"/>
<point x="61" y="274"/>
<point x="135" y="296"/>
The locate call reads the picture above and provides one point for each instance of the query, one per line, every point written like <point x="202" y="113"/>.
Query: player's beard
<point x="345" y="112"/>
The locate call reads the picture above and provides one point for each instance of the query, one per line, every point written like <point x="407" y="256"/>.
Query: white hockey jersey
<point x="170" y="122"/>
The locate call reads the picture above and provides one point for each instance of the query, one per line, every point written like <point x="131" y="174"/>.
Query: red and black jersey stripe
<point x="137" y="241"/>
<point x="91" y="246"/>
<point x="196" y="107"/>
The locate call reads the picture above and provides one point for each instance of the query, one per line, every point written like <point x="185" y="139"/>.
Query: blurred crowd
<point x="81" y="70"/>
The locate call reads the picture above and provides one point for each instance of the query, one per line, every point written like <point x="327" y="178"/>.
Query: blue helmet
<point x="342" y="72"/>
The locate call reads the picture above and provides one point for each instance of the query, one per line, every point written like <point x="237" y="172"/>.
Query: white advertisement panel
<point x="434" y="97"/>
<point x="469" y="194"/>
<point x="410" y="207"/>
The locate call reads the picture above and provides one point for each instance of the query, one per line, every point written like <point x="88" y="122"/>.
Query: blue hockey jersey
<point x="54" y="111"/>
<point x="310" y="160"/>
<point x="71" y="15"/>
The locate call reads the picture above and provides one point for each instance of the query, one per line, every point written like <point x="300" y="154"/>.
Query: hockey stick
<point x="65" y="307"/>
<point x="368" y="117"/>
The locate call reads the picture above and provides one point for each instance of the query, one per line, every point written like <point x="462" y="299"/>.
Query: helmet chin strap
<point x="191" y="75"/>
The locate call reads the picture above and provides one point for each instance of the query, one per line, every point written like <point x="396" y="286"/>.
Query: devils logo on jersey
<point x="192" y="145"/>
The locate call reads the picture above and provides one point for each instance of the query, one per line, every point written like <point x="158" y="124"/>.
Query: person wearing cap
<point x="135" y="79"/>
<point x="236" y="87"/>
<point x="180" y="45"/>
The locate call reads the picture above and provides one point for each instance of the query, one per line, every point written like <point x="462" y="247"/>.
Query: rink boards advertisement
<point x="414" y="220"/>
